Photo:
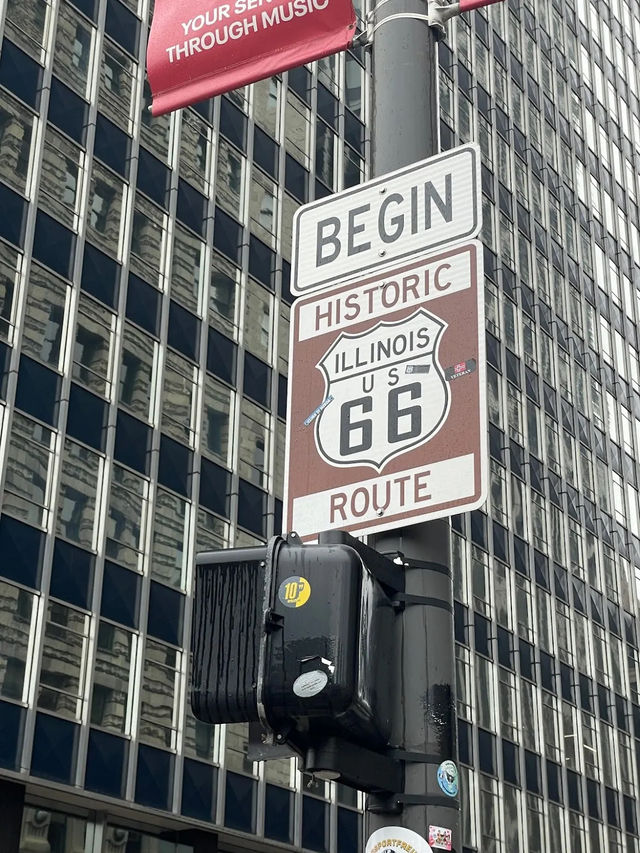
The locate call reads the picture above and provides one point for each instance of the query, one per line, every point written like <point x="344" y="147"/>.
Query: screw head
<point x="382" y="252"/>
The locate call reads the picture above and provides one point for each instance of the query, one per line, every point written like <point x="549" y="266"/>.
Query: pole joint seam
<point x="415" y="757"/>
<point x="405" y="599"/>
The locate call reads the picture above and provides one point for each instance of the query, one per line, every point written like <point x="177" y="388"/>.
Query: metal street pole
<point x="406" y="129"/>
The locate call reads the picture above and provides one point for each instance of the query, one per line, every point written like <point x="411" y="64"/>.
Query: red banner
<point x="468" y="5"/>
<point x="198" y="49"/>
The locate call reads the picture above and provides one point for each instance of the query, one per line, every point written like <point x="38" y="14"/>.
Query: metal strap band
<point x="407" y="598"/>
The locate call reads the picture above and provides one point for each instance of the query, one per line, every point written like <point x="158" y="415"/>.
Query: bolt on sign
<point x="387" y="403"/>
<point x="201" y="48"/>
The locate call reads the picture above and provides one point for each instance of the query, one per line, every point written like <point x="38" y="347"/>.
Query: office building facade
<point x="144" y="305"/>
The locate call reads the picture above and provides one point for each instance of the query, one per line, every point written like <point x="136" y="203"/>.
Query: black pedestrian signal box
<point x="297" y="637"/>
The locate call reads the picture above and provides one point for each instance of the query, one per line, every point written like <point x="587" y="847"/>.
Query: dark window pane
<point x="106" y="764"/>
<point x="11" y="729"/>
<point x="233" y="123"/>
<point x="511" y="762"/>
<point x="21" y="551"/>
<point x="87" y="417"/>
<point x="176" y="461"/>
<point x="133" y="442"/>
<point x="143" y="304"/>
<point x="68" y="111"/>
<point x="532" y="771"/>
<point x="252" y="507"/>
<point x="12" y="221"/>
<point x="257" y="379"/>
<point x="100" y="275"/>
<point x="154" y="777"/>
<point x="348" y="831"/>
<point x="221" y="356"/>
<point x="153" y="177"/>
<point x="72" y="574"/>
<point x="296" y="179"/>
<point x="192" y="207"/>
<point x="262" y="262"/>
<point x="239" y="811"/>
<point x="265" y="152"/>
<point x="215" y="485"/>
<point x="38" y="391"/>
<point x="86" y="6"/>
<point x="112" y="145"/>
<point x="120" y="595"/>
<point x="184" y="331"/>
<point x="282" y="396"/>
<point x="314" y="824"/>
<point x="54" y="245"/>
<point x="20" y="74"/>
<point x="227" y="236"/>
<point x="278" y="814"/>
<point x="198" y="790"/>
<point x="165" y="613"/>
<point x="486" y="752"/>
<point x="123" y="26"/>
<point x="54" y="749"/>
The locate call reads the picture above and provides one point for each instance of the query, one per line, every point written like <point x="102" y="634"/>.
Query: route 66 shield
<point x="388" y="390"/>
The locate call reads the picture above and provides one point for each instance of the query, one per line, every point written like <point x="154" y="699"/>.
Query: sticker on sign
<point x="386" y="412"/>
<point x="420" y="208"/>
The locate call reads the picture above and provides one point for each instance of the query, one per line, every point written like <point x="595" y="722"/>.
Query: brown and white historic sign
<point x="387" y="402"/>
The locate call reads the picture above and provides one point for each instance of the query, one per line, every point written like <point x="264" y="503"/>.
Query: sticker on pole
<point x="440" y="838"/>
<point x="396" y="839"/>
<point x="448" y="778"/>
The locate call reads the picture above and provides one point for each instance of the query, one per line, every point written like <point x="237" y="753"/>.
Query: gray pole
<point x="405" y="129"/>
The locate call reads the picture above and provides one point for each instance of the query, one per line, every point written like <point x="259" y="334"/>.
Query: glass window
<point x="170" y="537"/>
<point x="159" y="690"/>
<point x="126" y="518"/>
<point x="104" y="222"/>
<point x="45" y="316"/>
<point x="16" y="135"/>
<point x="147" y="240"/>
<point x="28" y="470"/>
<point x="230" y="183"/>
<point x="92" y="353"/>
<point x="179" y="398"/>
<point x="187" y="269"/>
<point x="60" y="178"/>
<point x="216" y="420"/>
<point x="111" y="696"/>
<point x="195" y="150"/>
<point x="254" y="441"/>
<point x="258" y="319"/>
<point x="137" y="373"/>
<point x="73" y="49"/>
<point x="263" y="207"/>
<point x="17" y="615"/>
<point x="63" y="660"/>
<point x="117" y="78"/>
<point x="79" y="480"/>
<point x="266" y="99"/>
<point x="297" y="129"/>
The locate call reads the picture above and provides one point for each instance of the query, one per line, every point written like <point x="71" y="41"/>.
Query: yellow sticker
<point x="294" y="591"/>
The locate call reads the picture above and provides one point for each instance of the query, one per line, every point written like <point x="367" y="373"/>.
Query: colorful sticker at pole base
<point x="294" y="591"/>
<point x="448" y="778"/>
<point x="440" y="838"/>
<point x="396" y="839"/>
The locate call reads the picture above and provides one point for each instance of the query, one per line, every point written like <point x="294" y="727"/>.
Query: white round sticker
<point x="310" y="683"/>
<point x="396" y="839"/>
